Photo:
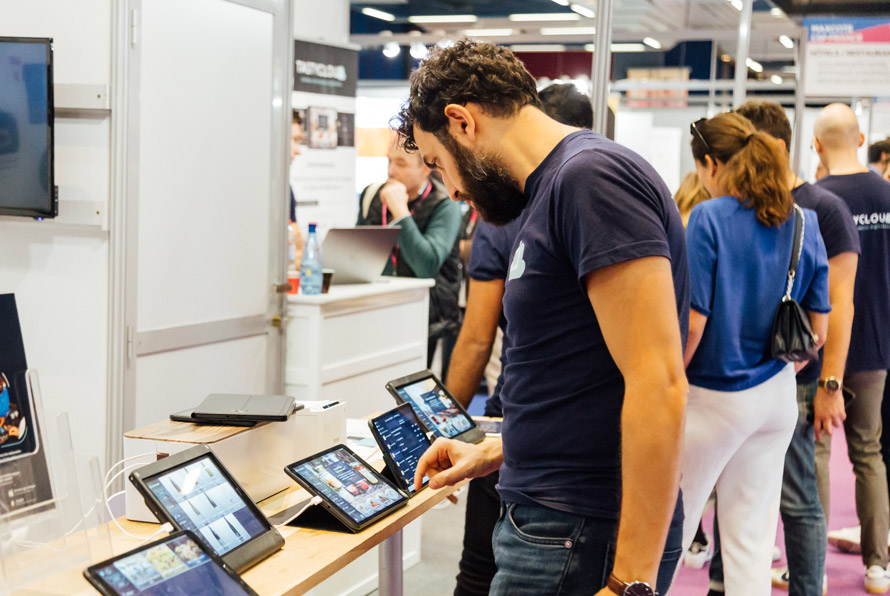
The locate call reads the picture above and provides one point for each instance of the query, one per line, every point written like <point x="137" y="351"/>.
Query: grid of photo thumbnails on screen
<point x="176" y="566"/>
<point x="200" y="498"/>
<point x="349" y="485"/>
<point x="435" y="407"/>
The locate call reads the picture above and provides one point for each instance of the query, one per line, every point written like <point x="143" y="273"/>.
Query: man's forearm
<point x="652" y="426"/>
<point x="837" y="344"/>
<point x="468" y="361"/>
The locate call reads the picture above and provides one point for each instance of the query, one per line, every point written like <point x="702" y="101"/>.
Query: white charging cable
<point x="166" y="527"/>
<point x="313" y="501"/>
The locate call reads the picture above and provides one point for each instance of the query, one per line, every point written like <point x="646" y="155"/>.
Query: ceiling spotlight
<point x="754" y="65"/>
<point x="378" y="14"/>
<point x="391" y="49"/>
<point x="582" y="10"/>
<point x="545" y="16"/>
<point x="627" y="47"/>
<point x="737" y="4"/>
<point x="568" y="30"/>
<point x="488" y="32"/>
<point x="418" y="50"/>
<point x="776" y="79"/>
<point x="725" y="58"/>
<point x="539" y="47"/>
<point x="652" y="43"/>
<point x="444" y="18"/>
<point x="776" y="12"/>
<point x="786" y="41"/>
<point x="562" y="2"/>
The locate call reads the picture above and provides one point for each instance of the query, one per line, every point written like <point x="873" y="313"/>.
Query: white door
<point x="207" y="158"/>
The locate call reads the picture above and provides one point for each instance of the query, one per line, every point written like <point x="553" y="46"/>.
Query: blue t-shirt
<point x="738" y="271"/>
<point x="839" y="235"/>
<point x="489" y="261"/>
<point x="868" y="197"/>
<point x="592" y="204"/>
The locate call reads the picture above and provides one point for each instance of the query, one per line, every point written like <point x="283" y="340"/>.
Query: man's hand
<point x="828" y="411"/>
<point x="395" y="196"/>
<point x="447" y="462"/>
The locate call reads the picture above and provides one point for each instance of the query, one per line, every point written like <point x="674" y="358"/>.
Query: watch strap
<point x="616" y="585"/>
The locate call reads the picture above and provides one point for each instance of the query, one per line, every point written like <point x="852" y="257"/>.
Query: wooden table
<point x="308" y="557"/>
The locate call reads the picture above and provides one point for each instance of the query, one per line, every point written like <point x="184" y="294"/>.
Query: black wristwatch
<point x="831" y="384"/>
<point x="629" y="589"/>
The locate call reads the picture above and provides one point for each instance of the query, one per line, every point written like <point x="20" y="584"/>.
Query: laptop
<point x="234" y="407"/>
<point x="358" y="255"/>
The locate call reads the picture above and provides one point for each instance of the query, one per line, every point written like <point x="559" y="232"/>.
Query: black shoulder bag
<point x="793" y="339"/>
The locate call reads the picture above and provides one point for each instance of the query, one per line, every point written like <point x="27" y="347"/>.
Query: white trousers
<point x="737" y="441"/>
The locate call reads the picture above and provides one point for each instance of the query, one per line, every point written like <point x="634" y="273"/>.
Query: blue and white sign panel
<point x="847" y="57"/>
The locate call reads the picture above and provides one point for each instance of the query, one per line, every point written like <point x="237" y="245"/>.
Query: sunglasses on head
<point x="693" y="128"/>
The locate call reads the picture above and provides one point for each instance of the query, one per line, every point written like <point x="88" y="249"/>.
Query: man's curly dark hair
<point x="467" y="72"/>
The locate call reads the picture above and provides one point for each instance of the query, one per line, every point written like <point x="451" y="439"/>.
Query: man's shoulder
<point x="820" y="199"/>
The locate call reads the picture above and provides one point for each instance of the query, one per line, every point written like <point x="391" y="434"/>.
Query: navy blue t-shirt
<point x="592" y="204"/>
<point x="839" y="235"/>
<point x="738" y="271"/>
<point x="868" y="197"/>
<point x="489" y="261"/>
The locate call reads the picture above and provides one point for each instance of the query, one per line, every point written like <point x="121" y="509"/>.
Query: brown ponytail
<point x="756" y="167"/>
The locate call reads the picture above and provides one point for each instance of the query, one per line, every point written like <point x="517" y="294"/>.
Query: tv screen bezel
<point x="52" y="204"/>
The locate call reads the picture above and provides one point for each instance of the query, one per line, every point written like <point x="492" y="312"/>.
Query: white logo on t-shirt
<point x="517" y="266"/>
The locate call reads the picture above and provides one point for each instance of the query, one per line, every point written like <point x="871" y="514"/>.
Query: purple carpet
<point x="846" y="573"/>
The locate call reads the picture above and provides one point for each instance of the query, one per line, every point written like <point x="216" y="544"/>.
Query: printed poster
<point x="847" y="57"/>
<point x="24" y="475"/>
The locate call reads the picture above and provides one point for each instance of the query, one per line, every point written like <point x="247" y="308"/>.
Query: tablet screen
<point x="438" y="410"/>
<point x="199" y="497"/>
<point x="348" y="484"/>
<point x="177" y="565"/>
<point x="403" y="437"/>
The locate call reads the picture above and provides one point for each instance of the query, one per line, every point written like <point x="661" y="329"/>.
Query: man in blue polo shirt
<point x="596" y="300"/>
<point x="837" y="139"/>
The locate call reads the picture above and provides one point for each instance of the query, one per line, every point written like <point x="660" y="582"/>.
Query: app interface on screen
<point x="349" y="484"/>
<point x="199" y="498"/>
<point x="435" y="408"/>
<point x="405" y="441"/>
<point x="176" y="567"/>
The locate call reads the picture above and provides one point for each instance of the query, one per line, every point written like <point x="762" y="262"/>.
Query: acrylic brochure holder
<point x="67" y="530"/>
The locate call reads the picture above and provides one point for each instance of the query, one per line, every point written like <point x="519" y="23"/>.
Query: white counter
<point x="346" y="344"/>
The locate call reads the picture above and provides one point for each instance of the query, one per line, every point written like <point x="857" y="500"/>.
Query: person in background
<point x="820" y="404"/>
<point x="741" y="410"/>
<point x="296" y="139"/>
<point x="428" y="243"/>
<point x="879" y="158"/>
<point x="837" y="140"/>
<point x="588" y="354"/>
<point x="690" y="194"/>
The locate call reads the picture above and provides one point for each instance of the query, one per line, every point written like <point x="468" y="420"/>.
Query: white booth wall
<point x="59" y="271"/>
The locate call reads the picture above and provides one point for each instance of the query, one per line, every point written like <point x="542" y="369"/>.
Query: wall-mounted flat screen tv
<point x="27" y="181"/>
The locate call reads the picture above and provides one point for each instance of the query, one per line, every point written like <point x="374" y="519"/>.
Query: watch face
<point x="832" y="385"/>
<point x="639" y="589"/>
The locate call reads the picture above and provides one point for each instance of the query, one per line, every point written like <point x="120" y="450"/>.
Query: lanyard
<point x="395" y="251"/>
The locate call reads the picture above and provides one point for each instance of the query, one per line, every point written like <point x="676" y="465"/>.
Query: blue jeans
<point x="540" y="551"/>
<point x="801" y="510"/>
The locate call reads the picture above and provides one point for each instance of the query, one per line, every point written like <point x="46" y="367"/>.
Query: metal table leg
<point x="390" y="566"/>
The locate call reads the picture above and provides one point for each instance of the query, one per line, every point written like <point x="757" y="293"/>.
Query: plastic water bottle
<point x="311" y="273"/>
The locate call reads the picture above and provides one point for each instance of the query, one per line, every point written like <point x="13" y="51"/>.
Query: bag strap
<point x="796" y="248"/>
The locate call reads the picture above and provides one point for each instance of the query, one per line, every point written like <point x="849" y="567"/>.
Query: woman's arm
<point x="697" y="322"/>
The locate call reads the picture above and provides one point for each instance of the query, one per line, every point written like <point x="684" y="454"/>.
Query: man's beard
<point x="487" y="184"/>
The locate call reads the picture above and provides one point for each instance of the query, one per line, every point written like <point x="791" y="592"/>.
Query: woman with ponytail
<point x="742" y="404"/>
